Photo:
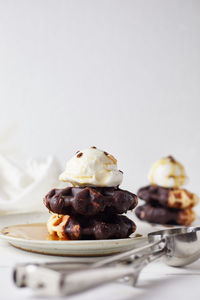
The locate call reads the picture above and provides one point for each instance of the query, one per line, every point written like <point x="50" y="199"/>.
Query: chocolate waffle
<point x="76" y="227"/>
<point x="162" y="215"/>
<point x="168" y="197"/>
<point x="90" y="201"/>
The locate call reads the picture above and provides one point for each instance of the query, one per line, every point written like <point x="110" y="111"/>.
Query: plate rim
<point x="68" y="242"/>
<point x="10" y="239"/>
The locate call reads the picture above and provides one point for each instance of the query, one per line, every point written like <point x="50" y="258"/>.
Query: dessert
<point x="76" y="227"/>
<point x="90" y="201"/>
<point x="92" y="207"/>
<point x="166" y="201"/>
<point x="161" y="215"/>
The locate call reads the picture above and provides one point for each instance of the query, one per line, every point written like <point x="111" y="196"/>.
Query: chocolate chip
<point x="121" y="171"/>
<point x="79" y="155"/>
<point x="106" y="153"/>
<point x="93" y="147"/>
<point x="171" y="158"/>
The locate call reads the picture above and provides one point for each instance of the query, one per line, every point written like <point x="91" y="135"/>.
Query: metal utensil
<point x="178" y="246"/>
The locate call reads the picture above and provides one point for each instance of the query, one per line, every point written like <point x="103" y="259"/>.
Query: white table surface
<point x="157" y="281"/>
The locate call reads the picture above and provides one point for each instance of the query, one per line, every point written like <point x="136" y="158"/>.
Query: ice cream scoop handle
<point x="86" y="279"/>
<point x="83" y="280"/>
<point x="133" y="254"/>
<point x="47" y="282"/>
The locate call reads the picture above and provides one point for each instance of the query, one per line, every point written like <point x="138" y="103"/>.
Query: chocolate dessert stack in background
<point x="92" y="208"/>
<point x="166" y="202"/>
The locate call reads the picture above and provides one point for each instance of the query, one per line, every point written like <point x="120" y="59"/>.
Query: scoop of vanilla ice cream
<point x="92" y="167"/>
<point x="167" y="172"/>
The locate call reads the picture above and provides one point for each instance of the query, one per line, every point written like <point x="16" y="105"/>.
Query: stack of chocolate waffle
<point x="90" y="212"/>
<point x="166" y="205"/>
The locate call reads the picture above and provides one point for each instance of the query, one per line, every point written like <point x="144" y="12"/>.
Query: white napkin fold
<point x="23" y="189"/>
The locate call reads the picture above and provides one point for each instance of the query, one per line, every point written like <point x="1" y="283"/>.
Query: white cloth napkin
<point x="22" y="189"/>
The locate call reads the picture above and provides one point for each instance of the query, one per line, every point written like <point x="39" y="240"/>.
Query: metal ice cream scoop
<point x="178" y="246"/>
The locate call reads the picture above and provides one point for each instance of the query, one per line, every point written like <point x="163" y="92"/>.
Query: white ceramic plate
<point x="72" y="248"/>
<point x="76" y="248"/>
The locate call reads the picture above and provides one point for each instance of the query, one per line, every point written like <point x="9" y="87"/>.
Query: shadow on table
<point x="182" y="282"/>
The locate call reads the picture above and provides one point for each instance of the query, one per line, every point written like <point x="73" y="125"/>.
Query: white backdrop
<point x="120" y="75"/>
